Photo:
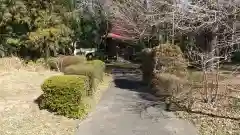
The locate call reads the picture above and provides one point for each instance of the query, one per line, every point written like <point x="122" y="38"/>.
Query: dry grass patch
<point x="14" y="64"/>
<point x="19" y="115"/>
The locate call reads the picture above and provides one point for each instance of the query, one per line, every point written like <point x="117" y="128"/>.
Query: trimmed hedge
<point x="70" y="94"/>
<point x="83" y="69"/>
<point x="93" y="69"/>
<point x="64" y="94"/>
<point x="99" y="68"/>
<point x="60" y="63"/>
<point x="80" y="69"/>
<point x="71" y="60"/>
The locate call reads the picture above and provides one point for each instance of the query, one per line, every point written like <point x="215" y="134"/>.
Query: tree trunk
<point x="213" y="49"/>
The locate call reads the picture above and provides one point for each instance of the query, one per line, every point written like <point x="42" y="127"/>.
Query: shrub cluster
<point x="65" y="94"/>
<point x="93" y="69"/>
<point x="164" y="69"/>
<point x="82" y="69"/>
<point x="165" y="58"/>
<point x="169" y="58"/>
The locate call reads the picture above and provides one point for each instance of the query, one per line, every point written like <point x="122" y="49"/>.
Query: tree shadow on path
<point x="133" y="82"/>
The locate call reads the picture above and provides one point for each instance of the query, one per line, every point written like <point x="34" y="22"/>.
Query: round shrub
<point x="169" y="58"/>
<point x="64" y="95"/>
<point x="165" y="58"/>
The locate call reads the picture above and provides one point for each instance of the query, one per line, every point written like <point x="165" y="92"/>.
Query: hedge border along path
<point x="93" y="69"/>
<point x="60" y="95"/>
<point x="97" y="95"/>
<point x="94" y="99"/>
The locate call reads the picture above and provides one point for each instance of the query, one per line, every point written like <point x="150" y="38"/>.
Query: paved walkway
<point x="125" y="110"/>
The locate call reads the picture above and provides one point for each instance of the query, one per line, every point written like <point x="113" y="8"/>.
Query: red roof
<point x="117" y="36"/>
<point x="122" y="30"/>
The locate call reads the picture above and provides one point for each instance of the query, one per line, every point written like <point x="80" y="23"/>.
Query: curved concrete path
<point x="126" y="110"/>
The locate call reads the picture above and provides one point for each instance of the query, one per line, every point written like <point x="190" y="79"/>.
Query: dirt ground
<point x="19" y="115"/>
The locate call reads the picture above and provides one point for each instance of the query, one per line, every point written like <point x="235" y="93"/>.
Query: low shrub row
<point x="94" y="70"/>
<point x="60" y="63"/>
<point x="69" y="94"/>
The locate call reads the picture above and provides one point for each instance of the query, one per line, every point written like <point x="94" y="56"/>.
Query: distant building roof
<point x="117" y="36"/>
<point x="120" y="28"/>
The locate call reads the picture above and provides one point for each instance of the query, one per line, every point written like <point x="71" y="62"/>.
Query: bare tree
<point x="214" y="20"/>
<point x="175" y="17"/>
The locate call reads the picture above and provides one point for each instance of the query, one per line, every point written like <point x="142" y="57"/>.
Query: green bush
<point x="83" y="69"/>
<point x="99" y="69"/>
<point x="99" y="63"/>
<point x="93" y="69"/>
<point x="64" y="95"/>
<point x="60" y="63"/>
